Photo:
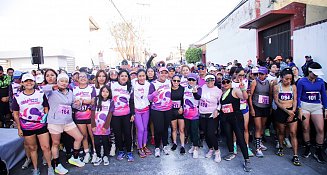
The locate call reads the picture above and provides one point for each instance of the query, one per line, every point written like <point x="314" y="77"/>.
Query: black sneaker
<point x="280" y="152"/>
<point x="307" y="152"/>
<point x="229" y="157"/>
<point x="296" y="161"/>
<point x="182" y="151"/>
<point x="173" y="148"/>
<point x="318" y="156"/>
<point x="247" y="166"/>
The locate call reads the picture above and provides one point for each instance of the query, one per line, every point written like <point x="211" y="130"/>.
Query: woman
<point x="233" y="120"/>
<point x="259" y="102"/>
<point x="113" y="76"/>
<point x="101" y="78"/>
<point x="209" y="103"/>
<point x="241" y="77"/>
<point x="285" y="98"/>
<point x="295" y="71"/>
<point x="84" y="93"/>
<point x="160" y="96"/>
<point x="30" y="108"/>
<point x="50" y="76"/>
<point x="123" y="114"/>
<point x="312" y="104"/>
<point x="150" y="77"/>
<point x="177" y="92"/>
<point x="60" y="119"/>
<point x="185" y="71"/>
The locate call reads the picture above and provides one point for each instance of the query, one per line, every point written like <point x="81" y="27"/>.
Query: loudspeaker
<point x="37" y="55"/>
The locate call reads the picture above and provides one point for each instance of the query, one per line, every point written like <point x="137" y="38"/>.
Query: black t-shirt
<point x="177" y="95"/>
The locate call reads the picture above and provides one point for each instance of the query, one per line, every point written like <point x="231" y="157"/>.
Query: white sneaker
<point x="26" y="163"/>
<point x="277" y="145"/>
<point x="217" y="156"/>
<point x="195" y="154"/>
<point x="97" y="161"/>
<point x="112" y="150"/>
<point x="87" y="158"/>
<point x="157" y="152"/>
<point x="166" y="150"/>
<point x="94" y="158"/>
<point x="210" y="153"/>
<point x="191" y="150"/>
<point x="287" y="143"/>
<point x="44" y="162"/>
<point x="60" y="169"/>
<point x="77" y="162"/>
<point x="105" y="160"/>
<point x="263" y="147"/>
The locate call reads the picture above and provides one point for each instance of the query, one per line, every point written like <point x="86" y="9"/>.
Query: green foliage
<point x="193" y="55"/>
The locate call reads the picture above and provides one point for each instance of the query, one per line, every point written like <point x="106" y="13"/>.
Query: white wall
<point x="24" y="64"/>
<point x="311" y="41"/>
<point x="233" y="42"/>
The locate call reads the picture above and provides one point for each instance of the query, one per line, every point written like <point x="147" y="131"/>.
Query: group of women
<point x="96" y="116"/>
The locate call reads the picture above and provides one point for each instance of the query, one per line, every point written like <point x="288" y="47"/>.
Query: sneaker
<point x="105" y="160"/>
<point x="59" y="169"/>
<point x="267" y="132"/>
<point x="318" y="156"/>
<point x="296" y="161"/>
<point x="166" y="150"/>
<point x="217" y="156"/>
<point x="250" y="153"/>
<point x="247" y="166"/>
<point x="87" y="158"/>
<point x="112" y="150"/>
<point x="263" y="147"/>
<point x="77" y="162"/>
<point x="173" y="148"/>
<point x="191" y="150"/>
<point x="157" y="152"/>
<point x="235" y="148"/>
<point x="141" y="153"/>
<point x="36" y="172"/>
<point x="152" y="141"/>
<point x="130" y="157"/>
<point x="182" y="151"/>
<point x="195" y="154"/>
<point x="50" y="171"/>
<point x="94" y="158"/>
<point x="121" y="155"/>
<point x="277" y="145"/>
<point x="229" y="157"/>
<point x="280" y="152"/>
<point x="26" y="163"/>
<point x="210" y="153"/>
<point x="259" y="153"/>
<point x="97" y="161"/>
<point x="44" y="162"/>
<point x="147" y="151"/>
<point x="287" y="143"/>
<point x="307" y="152"/>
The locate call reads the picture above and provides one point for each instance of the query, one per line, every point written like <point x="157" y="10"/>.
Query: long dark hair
<point x="96" y="78"/>
<point x="98" y="99"/>
<point x="287" y="71"/>
<point x="154" y="72"/>
<point x="128" y="83"/>
<point x="45" y="74"/>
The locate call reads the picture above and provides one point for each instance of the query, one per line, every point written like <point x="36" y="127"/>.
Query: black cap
<point x="124" y="62"/>
<point x="201" y="64"/>
<point x="170" y="68"/>
<point x="227" y="77"/>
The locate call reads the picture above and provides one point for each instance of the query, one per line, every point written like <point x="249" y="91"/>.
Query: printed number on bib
<point x="64" y="109"/>
<point x="263" y="99"/>
<point x="227" y="108"/>
<point x="285" y="96"/>
<point x="313" y="96"/>
<point x="203" y="103"/>
<point x="176" y="104"/>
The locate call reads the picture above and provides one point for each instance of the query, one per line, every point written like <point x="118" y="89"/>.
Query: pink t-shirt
<point x="210" y="98"/>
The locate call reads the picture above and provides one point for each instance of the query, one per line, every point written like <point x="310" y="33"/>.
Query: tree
<point x="193" y="55"/>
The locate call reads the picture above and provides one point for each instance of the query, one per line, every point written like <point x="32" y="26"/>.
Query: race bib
<point x="176" y="104"/>
<point x="203" y="104"/>
<point x="65" y="110"/>
<point x="285" y="96"/>
<point x="263" y="99"/>
<point x="313" y="96"/>
<point x="227" y="108"/>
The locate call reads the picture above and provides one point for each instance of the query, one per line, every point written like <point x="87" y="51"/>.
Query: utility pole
<point x="180" y="50"/>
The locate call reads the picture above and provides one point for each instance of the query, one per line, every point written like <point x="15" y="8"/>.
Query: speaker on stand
<point x="37" y="56"/>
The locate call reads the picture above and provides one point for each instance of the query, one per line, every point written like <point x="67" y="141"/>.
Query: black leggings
<point x="209" y="127"/>
<point x="102" y="140"/>
<point x="122" y="125"/>
<point x="161" y="121"/>
<point x="235" y="123"/>
<point x="192" y="127"/>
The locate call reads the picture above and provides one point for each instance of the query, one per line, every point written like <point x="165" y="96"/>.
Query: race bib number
<point x="263" y="99"/>
<point x="285" y="96"/>
<point x="313" y="96"/>
<point x="176" y="104"/>
<point x="227" y="108"/>
<point x="203" y="104"/>
<point x="64" y="109"/>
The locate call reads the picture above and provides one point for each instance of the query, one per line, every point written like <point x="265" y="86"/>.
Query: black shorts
<point x="261" y="112"/>
<point x="35" y="132"/>
<point x="88" y="121"/>
<point x="281" y="116"/>
<point x="175" y="115"/>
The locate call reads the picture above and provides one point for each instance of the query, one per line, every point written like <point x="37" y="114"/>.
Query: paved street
<point x="185" y="164"/>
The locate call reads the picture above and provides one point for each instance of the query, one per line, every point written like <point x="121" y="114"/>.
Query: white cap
<point x="212" y="68"/>
<point x="62" y="75"/>
<point x="39" y="79"/>
<point x="317" y="72"/>
<point x="209" y="76"/>
<point x="229" y="67"/>
<point x="28" y="76"/>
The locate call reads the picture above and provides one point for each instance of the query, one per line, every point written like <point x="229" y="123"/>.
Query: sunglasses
<point x="177" y="81"/>
<point x="210" y="79"/>
<point x="201" y="68"/>
<point x="225" y="82"/>
<point x="190" y="79"/>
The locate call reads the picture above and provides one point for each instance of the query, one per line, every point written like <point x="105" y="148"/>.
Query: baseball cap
<point x="17" y="74"/>
<point x="263" y="70"/>
<point x="226" y="77"/>
<point x="278" y="58"/>
<point x="163" y="69"/>
<point x="201" y="64"/>
<point x="207" y="77"/>
<point x="254" y="70"/>
<point x="192" y="76"/>
<point x="171" y="68"/>
<point x="317" y="72"/>
<point x="212" y="68"/>
<point x="28" y="76"/>
<point x="39" y="79"/>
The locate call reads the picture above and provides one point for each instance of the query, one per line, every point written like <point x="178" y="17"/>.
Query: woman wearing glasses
<point x="233" y="120"/>
<point x="209" y="107"/>
<point x="177" y="93"/>
<point x="259" y="102"/>
<point x="240" y="78"/>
